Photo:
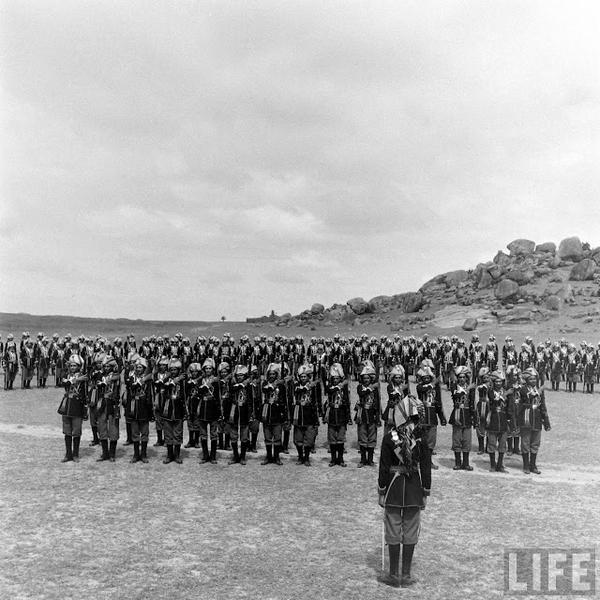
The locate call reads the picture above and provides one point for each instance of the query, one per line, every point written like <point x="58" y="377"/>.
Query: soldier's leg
<point x="341" y="440"/>
<point x="310" y="435"/>
<point x="159" y="429"/>
<point x="298" y="441"/>
<point x="371" y="443"/>
<point x="191" y="437"/>
<point x="516" y="440"/>
<point x="456" y="446"/>
<point x="113" y="437"/>
<point x="178" y="439"/>
<point x="203" y="431"/>
<point x="136" y="437"/>
<point x="286" y="438"/>
<point x="431" y="439"/>
<point x="244" y="442"/>
<point x="76" y="432"/>
<point x="128" y="441"/>
<point x="67" y="432"/>
<point x="94" y="425"/>
<point x="525" y="448"/>
<point x="277" y="440"/>
<point x="169" y="440"/>
<point x="501" y="450"/>
<point x="254" y="429"/>
<point x="411" y="525"/>
<point x="268" y="435"/>
<point x="102" y="430"/>
<point x="215" y="429"/>
<point x="392" y="523"/>
<point x="535" y="439"/>
<point x="362" y="430"/>
<point x="232" y="432"/>
<point x="492" y="437"/>
<point x="333" y="444"/>
<point x="467" y="434"/>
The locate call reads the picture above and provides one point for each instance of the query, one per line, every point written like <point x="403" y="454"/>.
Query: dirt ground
<point x="104" y="530"/>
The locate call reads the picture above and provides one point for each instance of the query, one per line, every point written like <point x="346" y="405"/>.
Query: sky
<point x="192" y="160"/>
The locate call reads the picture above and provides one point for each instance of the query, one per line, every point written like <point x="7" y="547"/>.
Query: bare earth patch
<point x="102" y="530"/>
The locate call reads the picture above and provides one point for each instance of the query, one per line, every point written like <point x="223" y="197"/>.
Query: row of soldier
<point x="556" y="362"/>
<point x="227" y="404"/>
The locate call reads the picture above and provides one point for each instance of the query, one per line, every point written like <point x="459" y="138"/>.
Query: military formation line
<point x="225" y="391"/>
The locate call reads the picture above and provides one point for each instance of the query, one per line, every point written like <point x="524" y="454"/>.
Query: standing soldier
<point x="224" y="393"/>
<point x="158" y="393"/>
<point x="589" y="361"/>
<point x="462" y="418"/>
<point x="108" y="409"/>
<point x="481" y="409"/>
<point x="337" y="413"/>
<point x="429" y="393"/>
<point x="174" y="412"/>
<point x="73" y="407"/>
<point x="573" y="362"/>
<point x="238" y="413"/>
<point x="396" y="390"/>
<point x="305" y="416"/>
<point x="368" y="413"/>
<point x="531" y="416"/>
<point x="209" y="411"/>
<point x="513" y="388"/>
<point x="254" y="428"/>
<point x="10" y="362"/>
<point x="27" y="363"/>
<point x="404" y="485"/>
<point x="94" y="376"/>
<point x="192" y="399"/>
<point x="556" y="367"/>
<point x="540" y="363"/>
<point x="273" y="412"/>
<point x="497" y="421"/>
<point x="139" y="409"/>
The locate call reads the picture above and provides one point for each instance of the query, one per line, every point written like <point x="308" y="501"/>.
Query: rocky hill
<point x="531" y="283"/>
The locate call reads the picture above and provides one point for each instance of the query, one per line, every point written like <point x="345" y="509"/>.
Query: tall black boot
<point x="243" y="450"/>
<point x="196" y="439"/>
<point x="492" y="461"/>
<point x="286" y="442"/>
<point x="128" y="441"/>
<point x="227" y="442"/>
<point x="95" y="441"/>
<point x="407" y="556"/>
<point x="205" y="455"/>
<point x="392" y="579"/>
<point x="190" y="442"/>
<point x="169" y="457"/>
<point x="104" y="455"/>
<point x="269" y="458"/>
<point x="236" y="455"/>
<point x="221" y="441"/>
<point x="433" y="465"/>
<point x="159" y="438"/>
<point x="68" y="449"/>
<point x="363" y="457"/>
<point x="177" y="454"/>
<point x="465" y="464"/>
<point x="370" y="452"/>
<point x="300" y="451"/>
<point x="500" y="466"/>
<point x="276" y="451"/>
<point x="143" y="456"/>
<point x="532" y="459"/>
<point x="516" y="449"/>
<point x="334" y="455"/>
<point x="76" y="441"/>
<point x="480" y="440"/>
<point x="307" y="450"/>
<point x="457" y="462"/>
<point x="136" y="452"/>
<point x="253" y="441"/>
<point x="340" y="455"/>
<point x="526" y="463"/>
<point x="112" y="451"/>
<point x="213" y="452"/>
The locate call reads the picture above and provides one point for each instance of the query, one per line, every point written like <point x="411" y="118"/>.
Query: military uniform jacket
<point x="209" y="406"/>
<point x="463" y="411"/>
<point x="481" y="408"/>
<point x="498" y="413"/>
<point x="274" y="403"/>
<point x="307" y="399"/>
<point x="192" y="396"/>
<point x="138" y="404"/>
<point x="337" y="405"/>
<point x="238" y="406"/>
<point x="531" y="410"/>
<point x="174" y="408"/>
<point x="401" y="486"/>
<point x="74" y="402"/>
<point x="430" y="396"/>
<point x="368" y="406"/>
<point x="106" y="394"/>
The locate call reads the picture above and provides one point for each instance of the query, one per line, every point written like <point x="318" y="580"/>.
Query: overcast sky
<point x="186" y="160"/>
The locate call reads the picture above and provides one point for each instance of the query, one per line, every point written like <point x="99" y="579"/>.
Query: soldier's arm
<point x="425" y="468"/>
<point x="385" y="462"/>
<point x="544" y="412"/>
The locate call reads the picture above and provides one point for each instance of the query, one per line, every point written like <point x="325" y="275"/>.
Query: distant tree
<point x="223" y="319"/>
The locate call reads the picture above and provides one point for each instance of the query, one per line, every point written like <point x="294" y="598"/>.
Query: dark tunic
<point x="463" y="411"/>
<point x="337" y="405"/>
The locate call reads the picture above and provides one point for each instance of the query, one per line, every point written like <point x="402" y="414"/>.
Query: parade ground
<point x="121" y="530"/>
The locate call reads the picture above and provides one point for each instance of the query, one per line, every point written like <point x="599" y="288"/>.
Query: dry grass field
<point x="135" y="531"/>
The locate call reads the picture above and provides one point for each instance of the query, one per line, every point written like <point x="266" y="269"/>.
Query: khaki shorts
<point x="402" y="525"/>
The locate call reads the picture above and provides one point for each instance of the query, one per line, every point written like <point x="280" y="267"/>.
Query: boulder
<point x="546" y="247"/>
<point x="521" y="276"/>
<point x="470" y="324"/>
<point x="410" y="302"/>
<point x="555" y="262"/>
<point x="506" y="290"/>
<point x="379" y="302"/>
<point x="566" y="294"/>
<point x="495" y="271"/>
<point x="453" y="278"/>
<point x="358" y="306"/>
<point x="501" y="259"/>
<point x="583" y="271"/>
<point x="485" y="280"/>
<point x="316" y="309"/>
<point x="285" y="317"/>
<point x="521" y="247"/>
<point x="570" y="249"/>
